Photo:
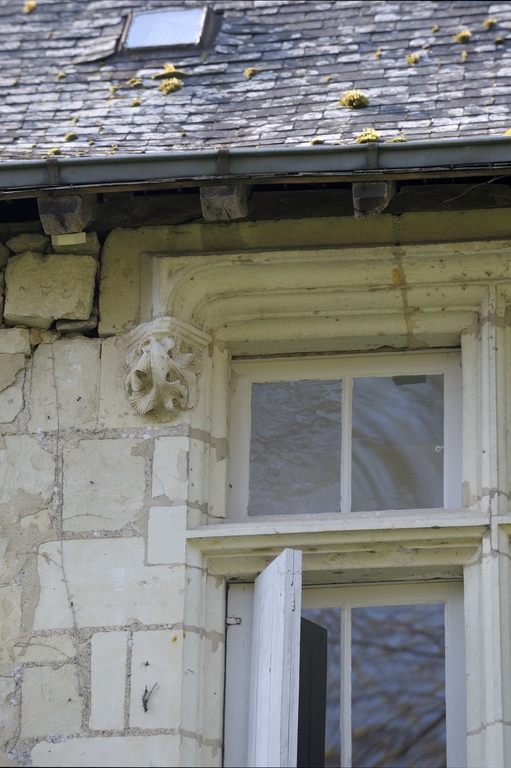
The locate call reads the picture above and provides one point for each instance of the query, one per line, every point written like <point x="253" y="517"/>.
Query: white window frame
<point x="347" y="367"/>
<point x="240" y="682"/>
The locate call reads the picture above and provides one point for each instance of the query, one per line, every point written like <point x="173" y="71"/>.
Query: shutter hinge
<point x="293" y="599"/>
<point x="232" y="620"/>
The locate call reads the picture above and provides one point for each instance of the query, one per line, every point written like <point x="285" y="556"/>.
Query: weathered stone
<point x="37" y="336"/>
<point x="25" y="466"/>
<point x="4" y="255"/>
<point x="72" y="366"/>
<point x="166" y="541"/>
<point x="108" y="665"/>
<point x="224" y="203"/>
<point x="110" y="585"/>
<point x="370" y="198"/>
<point x="14" y="340"/>
<point x="104" y="484"/>
<point x="65" y="214"/>
<point x="42" y="650"/>
<point x="7" y="708"/>
<point x="170" y="468"/>
<point x="90" y="247"/>
<point x="128" y="751"/>
<point x="9" y="367"/>
<point x="34" y="243"/>
<point x="77" y="326"/>
<point x="50" y="701"/>
<point x="41" y="289"/>
<point x="10" y="620"/>
<point x="156" y="659"/>
<point x="12" y="376"/>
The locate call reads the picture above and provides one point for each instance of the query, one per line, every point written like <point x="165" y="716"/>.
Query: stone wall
<point x="99" y="604"/>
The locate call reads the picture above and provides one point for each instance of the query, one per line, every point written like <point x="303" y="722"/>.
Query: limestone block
<point x="7" y="707"/>
<point x="12" y="376"/>
<point x="115" y="409"/>
<point x="166" y="542"/>
<point x="30" y="242"/>
<point x="10" y="619"/>
<point x="109" y="653"/>
<point x="90" y="247"/>
<point x="156" y="659"/>
<point x="110" y="585"/>
<point x="50" y="702"/>
<point x="104" y="484"/>
<point x="128" y="751"/>
<point x="41" y="289"/>
<point x="4" y="255"/>
<point x="73" y="366"/>
<point x="25" y="467"/>
<point x="14" y="340"/>
<point x="170" y="468"/>
<point x="42" y="649"/>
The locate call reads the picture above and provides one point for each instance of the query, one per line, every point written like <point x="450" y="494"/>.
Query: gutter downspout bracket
<point x="222" y="162"/>
<point x="52" y="168"/>
<point x="372" y="155"/>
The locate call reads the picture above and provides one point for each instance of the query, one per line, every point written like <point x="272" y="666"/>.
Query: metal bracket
<point x="230" y="620"/>
<point x="223" y="162"/>
<point x="52" y="167"/>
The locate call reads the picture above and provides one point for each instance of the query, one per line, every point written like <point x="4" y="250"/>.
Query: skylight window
<point x="170" y="28"/>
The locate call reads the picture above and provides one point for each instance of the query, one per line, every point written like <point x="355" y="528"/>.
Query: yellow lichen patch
<point x="328" y="78"/>
<point x="395" y="140"/>
<point x="135" y="82"/>
<point x="136" y="103"/>
<point x="113" y="88"/>
<point x="435" y="28"/>
<point x="71" y="136"/>
<point x="49" y="34"/>
<point x="317" y="141"/>
<point x="61" y="76"/>
<point x="490" y="23"/>
<point x="251" y="72"/>
<point x="91" y="142"/>
<point x="507" y="133"/>
<point x="412" y="59"/>
<point x="29" y="6"/>
<point x="354" y="100"/>
<point x="367" y="135"/>
<point x="55" y="151"/>
<point x="171" y="85"/>
<point x="16" y="81"/>
<point x="499" y="41"/>
<point x="463" y="36"/>
<point x="169" y="70"/>
<point x="377" y="54"/>
<point x="464" y="55"/>
<point x="74" y="119"/>
<point x="183" y="133"/>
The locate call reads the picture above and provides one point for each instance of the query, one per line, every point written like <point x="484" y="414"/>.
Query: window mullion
<point x="345" y="724"/>
<point x="347" y="393"/>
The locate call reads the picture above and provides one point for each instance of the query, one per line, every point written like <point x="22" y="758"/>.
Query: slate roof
<point x="61" y="74"/>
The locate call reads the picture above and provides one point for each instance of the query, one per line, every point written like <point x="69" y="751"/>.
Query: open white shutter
<point x="273" y="711"/>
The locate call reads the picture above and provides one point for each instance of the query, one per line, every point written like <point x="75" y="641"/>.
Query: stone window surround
<point x="248" y="311"/>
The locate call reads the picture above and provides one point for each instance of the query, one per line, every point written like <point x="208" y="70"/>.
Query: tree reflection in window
<point x="398" y="686"/>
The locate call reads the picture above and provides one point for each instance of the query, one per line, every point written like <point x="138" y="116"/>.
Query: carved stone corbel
<point x="164" y="362"/>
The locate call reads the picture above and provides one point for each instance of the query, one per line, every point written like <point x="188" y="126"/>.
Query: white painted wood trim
<point x="275" y="665"/>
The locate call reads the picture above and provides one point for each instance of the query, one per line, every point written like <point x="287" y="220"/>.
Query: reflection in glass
<point x="397" y="443"/>
<point x="295" y="447"/>
<point x="398" y="686"/>
<point x="330" y="619"/>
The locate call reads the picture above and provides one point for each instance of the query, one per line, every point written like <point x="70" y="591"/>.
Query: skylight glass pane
<point x="165" y="28"/>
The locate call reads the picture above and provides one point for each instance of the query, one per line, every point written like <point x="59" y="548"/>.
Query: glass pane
<point x="165" y="28"/>
<point x="295" y="447"/>
<point x="398" y="686"/>
<point x="330" y="618"/>
<point x="397" y="443"/>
